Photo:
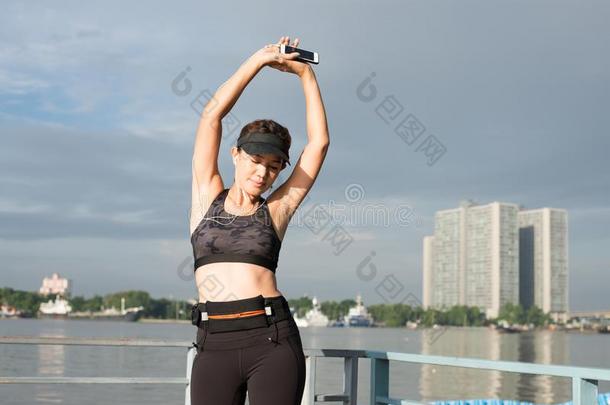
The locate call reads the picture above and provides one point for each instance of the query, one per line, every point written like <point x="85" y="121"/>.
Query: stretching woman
<point x="247" y="339"/>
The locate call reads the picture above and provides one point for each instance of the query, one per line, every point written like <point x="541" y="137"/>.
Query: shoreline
<point x="188" y="322"/>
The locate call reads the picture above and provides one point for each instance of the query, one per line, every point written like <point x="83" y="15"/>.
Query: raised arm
<point x="290" y="194"/>
<point x="207" y="182"/>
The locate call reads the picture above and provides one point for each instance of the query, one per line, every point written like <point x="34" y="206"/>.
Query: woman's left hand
<point x="271" y="56"/>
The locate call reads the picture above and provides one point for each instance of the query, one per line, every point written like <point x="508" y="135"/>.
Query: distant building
<point x="475" y="258"/>
<point x="56" y="285"/>
<point x="428" y="273"/>
<point x="543" y="263"/>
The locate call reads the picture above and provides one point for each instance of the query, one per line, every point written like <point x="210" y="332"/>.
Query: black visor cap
<point x="263" y="143"/>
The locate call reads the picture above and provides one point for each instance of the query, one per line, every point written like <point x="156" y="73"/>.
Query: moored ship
<point x="131" y="314"/>
<point x="59" y="308"/>
<point x="358" y="316"/>
<point x="7" y="311"/>
<point x="314" y="316"/>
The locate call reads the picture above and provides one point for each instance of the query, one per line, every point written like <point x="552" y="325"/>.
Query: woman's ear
<point x="234" y="155"/>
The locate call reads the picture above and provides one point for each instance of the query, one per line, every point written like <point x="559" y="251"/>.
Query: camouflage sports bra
<point x="249" y="238"/>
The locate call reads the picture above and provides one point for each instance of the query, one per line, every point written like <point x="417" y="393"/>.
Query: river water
<point x="416" y="382"/>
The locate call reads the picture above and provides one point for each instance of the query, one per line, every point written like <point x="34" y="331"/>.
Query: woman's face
<point x="256" y="173"/>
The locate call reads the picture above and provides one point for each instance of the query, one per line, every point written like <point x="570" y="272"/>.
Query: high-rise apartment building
<point x="543" y="262"/>
<point x="474" y="258"/>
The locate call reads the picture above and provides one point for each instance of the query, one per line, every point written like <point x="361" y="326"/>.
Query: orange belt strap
<point x="238" y="315"/>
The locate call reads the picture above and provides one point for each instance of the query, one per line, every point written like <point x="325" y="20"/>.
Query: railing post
<point x="350" y="379"/>
<point x="309" y="394"/>
<point x="584" y="392"/>
<point x="380" y="379"/>
<point x="190" y="356"/>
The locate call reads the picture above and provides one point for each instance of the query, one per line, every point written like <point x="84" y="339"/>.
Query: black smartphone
<point x="304" y="56"/>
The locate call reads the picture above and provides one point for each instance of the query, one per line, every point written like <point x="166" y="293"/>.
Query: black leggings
<point x="267" y="362"/>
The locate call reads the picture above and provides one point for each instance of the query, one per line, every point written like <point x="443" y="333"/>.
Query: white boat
<point x="358" y="315"/>
<point x="314" y="316"/>
<point x="58" y="308"/>
<point x="7" y="311"/>
<point x="301" y="322"/>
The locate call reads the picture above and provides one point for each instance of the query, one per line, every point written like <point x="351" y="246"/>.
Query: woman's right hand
<point x="270" y="55"/>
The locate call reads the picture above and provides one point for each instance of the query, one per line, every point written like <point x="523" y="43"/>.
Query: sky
<point x="98" y="112"/>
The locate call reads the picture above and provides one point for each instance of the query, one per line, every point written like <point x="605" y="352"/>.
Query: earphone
<point x="232" y="217"/>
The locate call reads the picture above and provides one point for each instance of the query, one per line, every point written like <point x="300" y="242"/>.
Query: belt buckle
<point x="269" y="312"/>
<point x="197" y="315"/>
<point x="268" y="307"/>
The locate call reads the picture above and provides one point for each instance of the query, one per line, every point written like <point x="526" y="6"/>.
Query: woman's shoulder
<point x="201" y="203"/>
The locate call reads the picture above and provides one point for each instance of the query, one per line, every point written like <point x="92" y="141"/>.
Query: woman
<point x="247" y="339"/>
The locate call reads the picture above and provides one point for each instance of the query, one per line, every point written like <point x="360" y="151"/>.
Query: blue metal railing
<point x="585" y="380"/>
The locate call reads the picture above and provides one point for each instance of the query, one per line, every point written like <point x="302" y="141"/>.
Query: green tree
<point x="430" y="317"/>
<point x="94" y="303"/>
<point x="536" y="316"/>
<point x="301" y="305"/>
<point x="78" y="303"/>
<point x="25" y="301"/>
<point x="345" y="305"/>
<point x="512" y="313"/>
<point x="132" y="299"/>
<point x="457" y="316"/>
<point x="476" y="317"/>
<point x="333" y="310"/>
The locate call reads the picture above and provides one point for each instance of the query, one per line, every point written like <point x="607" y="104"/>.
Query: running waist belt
<point x="249" y="313"/>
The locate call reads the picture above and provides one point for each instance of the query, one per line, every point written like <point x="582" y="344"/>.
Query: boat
<point x="505" y="327"/>
<point x="7" y="311"/>
<point x="131" y="314"/>
<point x="301" y="322"/>
<point x="314" y="316"/>
<point x="59" y="308"/>
<point x="113" y="314"/>
<point x="411" y="325"/>
<point x="358" y="316"/>
<point x="604" y="326"/>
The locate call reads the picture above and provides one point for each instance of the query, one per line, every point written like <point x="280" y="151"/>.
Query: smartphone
<point x="304" y="56"/>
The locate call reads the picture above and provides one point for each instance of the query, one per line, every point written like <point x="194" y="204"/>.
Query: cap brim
<point x="256" y="148"/>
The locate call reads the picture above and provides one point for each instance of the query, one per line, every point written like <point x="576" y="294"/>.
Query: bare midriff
<point x="227" y="281"/>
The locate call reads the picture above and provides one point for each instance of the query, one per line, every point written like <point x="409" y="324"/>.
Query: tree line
<point x="162" y="308"/>
<point x="391" y="315"/>
<point x="397" y="315"/>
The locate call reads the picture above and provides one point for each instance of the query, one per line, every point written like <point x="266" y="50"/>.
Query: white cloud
<point x="19" y="84"/>
<point x="527" y="132"/>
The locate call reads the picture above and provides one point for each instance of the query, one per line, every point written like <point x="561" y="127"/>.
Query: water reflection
<point x="51" y="363"/>
<point x="444" y="383"/>
<point x="548" y="348"/>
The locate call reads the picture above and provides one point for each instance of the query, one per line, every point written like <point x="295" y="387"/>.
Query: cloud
<point x="75" y="183"/>
<point x="96" y="146"/>
<point x="19" y="84"/>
